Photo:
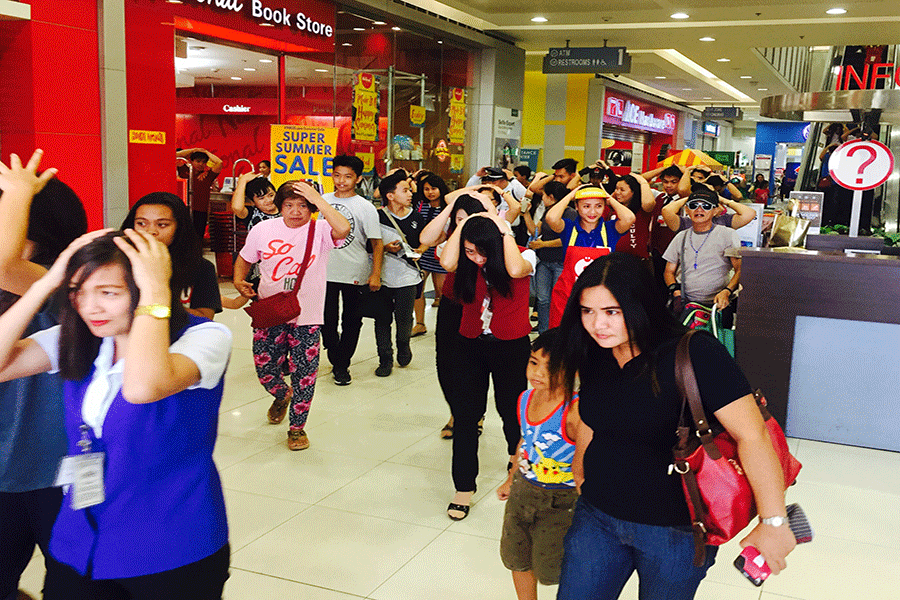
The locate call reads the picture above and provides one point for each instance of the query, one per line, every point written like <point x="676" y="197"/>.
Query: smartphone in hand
<point x="751" y="563"/>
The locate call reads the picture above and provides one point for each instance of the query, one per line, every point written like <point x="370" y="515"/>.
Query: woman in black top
<point x="617" y="336"/>
<point x="165" y="217"/>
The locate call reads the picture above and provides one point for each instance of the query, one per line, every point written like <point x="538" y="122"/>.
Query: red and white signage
<point x="629" y="112"/>
<point x="298" y="26"/>
<point x="861" y="165"/>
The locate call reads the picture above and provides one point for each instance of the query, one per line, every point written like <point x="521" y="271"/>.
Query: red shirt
<point x="200" y="189"/>
<point x="637" y="239"/>
<point x="661" y="236"/>
<point x="510" y="320"/>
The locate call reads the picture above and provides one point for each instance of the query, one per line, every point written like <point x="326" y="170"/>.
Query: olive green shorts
<point x="534" y="525"/>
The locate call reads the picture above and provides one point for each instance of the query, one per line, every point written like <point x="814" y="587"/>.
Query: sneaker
<point x="341" y="377"/>
<point x="297" y="440"/>
<point x="384" y="370"/>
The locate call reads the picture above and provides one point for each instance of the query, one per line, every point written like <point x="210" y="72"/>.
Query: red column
<point x="50" y="94"/>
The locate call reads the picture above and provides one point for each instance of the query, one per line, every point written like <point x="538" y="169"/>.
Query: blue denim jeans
<point x="601" y="553"/>
<point x="545" y="276"/>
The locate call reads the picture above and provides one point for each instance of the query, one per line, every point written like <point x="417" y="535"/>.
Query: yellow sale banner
<point x="456" y="132"/>
<point x="303" y="152"/>
<point x="416" y="115"/>
<point x="365" y="108"/>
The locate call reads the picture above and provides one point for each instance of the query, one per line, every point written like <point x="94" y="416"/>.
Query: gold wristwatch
<point x="157" y="311"/>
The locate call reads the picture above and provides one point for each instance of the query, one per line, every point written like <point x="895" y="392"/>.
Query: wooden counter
<point x="781" y="284"/>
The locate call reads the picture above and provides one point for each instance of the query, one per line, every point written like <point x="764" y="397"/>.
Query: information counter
<point x="820" y="334"/>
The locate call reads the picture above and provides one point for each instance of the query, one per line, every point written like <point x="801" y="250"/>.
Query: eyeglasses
<point x="695" y="204"/>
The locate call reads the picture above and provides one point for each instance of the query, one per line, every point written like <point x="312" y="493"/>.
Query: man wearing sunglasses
<point x="697" y="268"/>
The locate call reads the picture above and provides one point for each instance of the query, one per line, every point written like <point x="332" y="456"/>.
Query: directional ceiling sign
<point x="612" y="59"/>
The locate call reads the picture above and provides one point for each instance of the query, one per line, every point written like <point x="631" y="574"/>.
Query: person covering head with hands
<point x="491" y="282"/>
<point x="145" y="514"/>
<point x="41" y="217"/>
<point x="205" y="168"/>
<point x="591" y="229"/>
<point x="672" y="211"/>
<point x="448" y="351"/>
<point x="618" y="339"/>
<point x="284" y="248"/>
<point x="697" y="266"/>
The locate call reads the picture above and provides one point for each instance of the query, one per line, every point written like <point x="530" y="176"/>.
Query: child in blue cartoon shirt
<point x="542" y="488"/>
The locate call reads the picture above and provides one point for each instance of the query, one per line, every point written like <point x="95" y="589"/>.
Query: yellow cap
<point x="590" y="192"/>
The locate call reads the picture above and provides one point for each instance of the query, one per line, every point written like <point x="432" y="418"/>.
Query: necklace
<point x="697" y="250"/>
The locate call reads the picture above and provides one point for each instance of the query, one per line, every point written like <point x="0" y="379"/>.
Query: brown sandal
<point x="297" y="440"/>
<point x="278" y="410"/>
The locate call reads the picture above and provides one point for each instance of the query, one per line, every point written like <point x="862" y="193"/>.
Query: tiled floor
<point x="361" y="514"/>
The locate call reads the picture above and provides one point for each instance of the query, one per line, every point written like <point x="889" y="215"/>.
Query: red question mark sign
<point x="865" y="163"/>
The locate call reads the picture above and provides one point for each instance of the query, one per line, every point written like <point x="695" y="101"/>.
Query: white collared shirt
<point x="207" y="344"/>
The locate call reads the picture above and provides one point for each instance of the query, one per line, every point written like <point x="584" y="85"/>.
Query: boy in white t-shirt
<point x="349" y="271"/>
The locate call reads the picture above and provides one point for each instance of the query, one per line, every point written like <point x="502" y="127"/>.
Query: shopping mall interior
<point x="111" y="89"/>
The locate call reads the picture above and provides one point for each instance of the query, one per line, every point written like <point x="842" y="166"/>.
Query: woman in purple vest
<point x="144" y="515"/>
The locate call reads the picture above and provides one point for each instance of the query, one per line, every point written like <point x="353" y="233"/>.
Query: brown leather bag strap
<point x="686" y="380"/>
<point x="309" y="243"/>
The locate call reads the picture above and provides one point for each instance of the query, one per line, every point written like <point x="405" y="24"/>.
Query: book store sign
<point x="612" y="59"/>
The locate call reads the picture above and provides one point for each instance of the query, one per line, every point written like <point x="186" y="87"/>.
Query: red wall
<point x="150" y="80"/>
<point x="50" y="94"/>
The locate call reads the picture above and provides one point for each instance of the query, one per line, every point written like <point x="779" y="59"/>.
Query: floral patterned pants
<point x="288" y="350"/>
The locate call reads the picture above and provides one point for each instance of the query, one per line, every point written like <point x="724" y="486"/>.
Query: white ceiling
<point x="670" y="48"/>
<point x="661" y="47"/>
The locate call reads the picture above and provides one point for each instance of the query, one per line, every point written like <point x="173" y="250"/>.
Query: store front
<point x="239" y="70"/>
<point x="642" y="133"/>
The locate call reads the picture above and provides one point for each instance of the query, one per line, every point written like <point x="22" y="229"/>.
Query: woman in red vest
<point x="492" y="285"/>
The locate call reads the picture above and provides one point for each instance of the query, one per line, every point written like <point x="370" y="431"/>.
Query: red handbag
<point x="283" y="306"/>
<point x="717" y="491"/>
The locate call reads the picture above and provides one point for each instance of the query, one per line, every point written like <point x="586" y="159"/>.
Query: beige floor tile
<point x="250" y="516"/>
<point x="305" y="476"/>
<point x="245" y="585"/>
<point x="334" y="549"/>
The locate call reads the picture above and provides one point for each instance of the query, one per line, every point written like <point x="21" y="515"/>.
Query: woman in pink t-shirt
<point x="279" y="246"/>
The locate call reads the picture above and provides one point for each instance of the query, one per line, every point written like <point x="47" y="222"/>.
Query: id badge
<point x="486" y="314"/>
<point x="87" y="484"/>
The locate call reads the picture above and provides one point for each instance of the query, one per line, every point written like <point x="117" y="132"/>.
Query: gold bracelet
<point x="157" y="311"/>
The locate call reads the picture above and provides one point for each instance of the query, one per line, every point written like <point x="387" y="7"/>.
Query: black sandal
<point x="463" y="508"/>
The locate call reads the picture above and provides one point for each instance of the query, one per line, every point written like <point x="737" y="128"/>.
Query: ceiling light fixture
<point x="707" y="39"/>
<point x="723" y="60"/>
<point x="395" y="28"/>
<point x="249" y="69"/>
<point x="265" y="60"/>
<point x="237" y="78"/>
<point x="687" y="89"/>
<point x="680" y="15"/>
<point x="746" y="76"/>
<point x="762" y="89"/>
<point x="659" y="77"/>
<point x="378" y="23"/>
<point x="440" y="41"/>
<point x="321" y="70"/>
<point x="359" y="29"/>
<point x="539" y="19"/>
<point x="266" y="24"/>
<point x="836" y="11"/>
<point x="346" y="44"/>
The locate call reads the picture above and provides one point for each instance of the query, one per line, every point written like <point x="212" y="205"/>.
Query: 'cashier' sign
<point x="303" y="152"/>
